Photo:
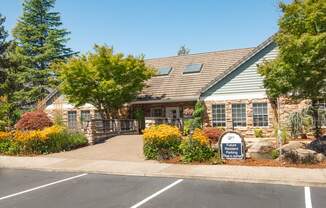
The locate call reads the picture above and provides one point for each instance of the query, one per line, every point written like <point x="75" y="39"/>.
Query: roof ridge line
<point x="199" y="53"/>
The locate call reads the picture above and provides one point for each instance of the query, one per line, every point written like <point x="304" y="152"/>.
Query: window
<point x="157" y="112"/>
<point x="193" y="68"/>
<point x="164" y="71"/>
<point x="239" y="115"/>
<point x="260" y="114"/>
<point x="322" y="112"/>
<point x="72" y="119"/>
<point x="218" y="112"/>
<point x="85" y="116"/>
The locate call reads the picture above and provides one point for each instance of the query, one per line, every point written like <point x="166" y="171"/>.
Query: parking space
<point x="35" y="189"/>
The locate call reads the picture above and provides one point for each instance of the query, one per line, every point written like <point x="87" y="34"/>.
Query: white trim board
<point x="235" y="96"/>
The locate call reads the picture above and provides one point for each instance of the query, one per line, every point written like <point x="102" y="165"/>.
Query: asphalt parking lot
<point x="35" y="189"/>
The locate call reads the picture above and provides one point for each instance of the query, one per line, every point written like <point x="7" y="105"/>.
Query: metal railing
<point x="171" y="121"/>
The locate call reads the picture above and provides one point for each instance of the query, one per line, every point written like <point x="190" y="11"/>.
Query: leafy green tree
<point x="103" y="79"/>
<point x="40" y="41"/>
<point x="299" y="71"/>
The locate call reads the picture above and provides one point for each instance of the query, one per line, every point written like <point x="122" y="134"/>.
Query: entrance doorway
<point x="172" y="112"/>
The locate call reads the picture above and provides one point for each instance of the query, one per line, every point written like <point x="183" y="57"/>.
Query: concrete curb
<point x="269" y="175"/>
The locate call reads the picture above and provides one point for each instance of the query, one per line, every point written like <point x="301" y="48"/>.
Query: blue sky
<point x="158" y="28"/>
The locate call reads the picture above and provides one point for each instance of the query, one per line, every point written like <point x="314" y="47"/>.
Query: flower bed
<point x="161" y="142"/>
<point x="50" y="139"/>
<point x="164" y="142"/>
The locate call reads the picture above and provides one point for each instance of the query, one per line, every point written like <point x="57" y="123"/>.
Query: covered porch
<point x="172" y="113"/>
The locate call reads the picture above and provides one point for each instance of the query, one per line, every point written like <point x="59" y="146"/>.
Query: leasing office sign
<point x="232" y="146"/>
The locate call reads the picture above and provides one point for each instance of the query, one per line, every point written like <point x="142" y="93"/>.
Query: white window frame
<point x="152" y="113"/>
<point x="217" y="121"/>
<point x="242" y="119"/>
<point x="253" y="114"/>
<point x="72" y="124"/>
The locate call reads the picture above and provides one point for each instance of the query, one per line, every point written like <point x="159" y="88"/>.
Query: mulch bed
<point x="251" y="162"/>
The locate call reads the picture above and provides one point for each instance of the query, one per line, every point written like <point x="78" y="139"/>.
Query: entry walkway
<point x="119" y="148"/>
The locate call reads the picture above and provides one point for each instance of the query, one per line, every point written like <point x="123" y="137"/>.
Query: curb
<point x="196" y="177"/>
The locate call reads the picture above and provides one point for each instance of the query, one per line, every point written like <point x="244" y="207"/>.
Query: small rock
<point x="320" y="157"/>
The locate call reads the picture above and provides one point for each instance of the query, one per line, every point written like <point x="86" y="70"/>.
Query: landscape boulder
<point x="296" y="152"/>
<point x="261" y="149"/>
<point x="318" y="145"/>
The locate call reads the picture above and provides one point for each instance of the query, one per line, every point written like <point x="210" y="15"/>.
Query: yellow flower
<point x="25" y="136"/>
<point x="200" y="136"/>
<point x="161" y="132"/>
<point x="5" y="135"/>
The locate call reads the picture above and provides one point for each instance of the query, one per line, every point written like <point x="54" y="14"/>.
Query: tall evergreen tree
<point x="8" y="111"/>
<point x="183" y="51"/>
<point x="3" y="48"/>
<point x="40" y="41"/>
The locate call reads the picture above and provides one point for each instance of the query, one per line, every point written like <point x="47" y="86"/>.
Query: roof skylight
<point x="164" y="71"/>
<point x="193" y="68"/>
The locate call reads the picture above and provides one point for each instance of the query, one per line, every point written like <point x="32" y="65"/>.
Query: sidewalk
<point x="274" y="175"/>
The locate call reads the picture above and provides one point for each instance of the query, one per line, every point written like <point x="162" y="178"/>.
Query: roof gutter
<point x="167" y="100"/>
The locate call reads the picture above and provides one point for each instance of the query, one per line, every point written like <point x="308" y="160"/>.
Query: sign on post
<point x="232" y="146"/>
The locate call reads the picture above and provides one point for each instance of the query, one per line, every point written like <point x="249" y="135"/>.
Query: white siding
<point x="244" y="82"/>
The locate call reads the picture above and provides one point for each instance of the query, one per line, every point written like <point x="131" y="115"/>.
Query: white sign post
<point x="232" y="146"/>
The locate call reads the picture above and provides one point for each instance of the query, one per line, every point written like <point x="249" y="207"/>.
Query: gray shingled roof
<point x="179" y="86"/>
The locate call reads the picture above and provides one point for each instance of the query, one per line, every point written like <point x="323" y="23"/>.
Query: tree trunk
<point x="315" y="116"/>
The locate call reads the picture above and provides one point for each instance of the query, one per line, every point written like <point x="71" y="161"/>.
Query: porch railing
<point x="98" y="130"/>
<point x="160" y="120"/>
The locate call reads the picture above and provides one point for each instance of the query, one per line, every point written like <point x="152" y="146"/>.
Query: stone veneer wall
<point x="247" y="131"/>
<point x="58" y="107"/>
<point x="287" y="106"/>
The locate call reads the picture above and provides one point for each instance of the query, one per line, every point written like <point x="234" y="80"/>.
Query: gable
<point x="178" y="85"/>
<point x="244" y="81"/>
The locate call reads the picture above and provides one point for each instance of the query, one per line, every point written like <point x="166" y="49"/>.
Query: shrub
<point x="200" y="136"/>
<point x="161" y="142"/>
<point x="33" y="121"/>
<point x="258" y="133"/>
<point x="48" y="140"/>
<point x="275" y="154"/>
<point x="213" y="134"/>
<point x="186" y="126"/>
<point x="216" y="159"/>
<point x="197" y="121"/>
<point x="193" y="150"/>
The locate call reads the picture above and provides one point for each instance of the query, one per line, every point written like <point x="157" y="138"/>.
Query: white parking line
<point x="156" y="194"/>
<point x="43" y="186"/>
<point x="307" y="197"/>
